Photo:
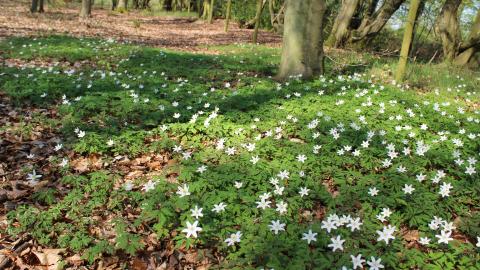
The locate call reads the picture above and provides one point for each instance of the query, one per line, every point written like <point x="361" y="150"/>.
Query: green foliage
<point x="130" y="100"/>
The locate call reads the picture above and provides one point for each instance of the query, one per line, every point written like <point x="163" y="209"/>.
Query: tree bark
<point x="114" y="4"/>
<point x="471" y="46"/>
<point x="302" y="52"/>
<point x="86" y="9"/>
<point x="34" y="6"/>
<point x="339" y="34"/>
<point x="122" y="5"/>
<point x="372" y="25"/>
<point x="448" y="28"/>
<point x="210" y="14"/>
<point x="206" y="9"/>
<point x="227" y="17"/>
<point x="41" y="5"/>
<point x="258" y="16"/>
<point x="407" y="39"/>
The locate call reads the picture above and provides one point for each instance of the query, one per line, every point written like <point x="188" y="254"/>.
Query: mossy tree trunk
<point x="471" y="47"/>
<point x="448" y="29"/>
<point x="227" y="17"/>
<point x="372" y="25"/>
<point x="86" y="9"/>
<point x="407" y="39"/>
<point x="302" y="52"/>
<point x="258" y="16"/>
<point x="210" y="13"/>
<point x="206" y="9"/>
<point x="340" y="32"/>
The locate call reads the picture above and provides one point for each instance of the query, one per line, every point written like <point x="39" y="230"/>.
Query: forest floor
<point x="117" y="135"/>
<point x="185" y="33"/>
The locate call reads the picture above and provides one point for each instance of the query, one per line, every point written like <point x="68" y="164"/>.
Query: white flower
<point x="444" y="236"/>
<point x="424" y="241"/>
<point x="445" y="189"/>
<point x="33" y="177"/>
<point x="386" y="234"/>
<point x="279" y="190"/>
<point x="64" y="162"/>
<point x="408" y="189"/>
<point x="197" y="212"/>
<point x="329" y="225"/>
<point x="238" y="184"/>
<point x="276" y="226"/>
<point x="192" y="229"/>
<point x="373" y="191"/>
<point x="309" y="236"/>
<point x="263" y="204"/>
<point x="234" y="238"/>
<point x="217" y="208"/>
<point x="354" y="224"/>
<point x="58" y="147"/>
<point x="357" y="261"/>
<point x="337" y="243"/>
<point x="283" y="175"/>
<point x="304" y="191"/>
<point x="183" y="190"/>
<point x="150" y="185"/>
<point x="254" y="159"/>
<point x="281" y="207"/>
<point x="301" y="158"/>
<point x="201" y="169"/>
<point x="478" y="241"/>
<point x="375" y="264"/>
<point x="81" y="134"/>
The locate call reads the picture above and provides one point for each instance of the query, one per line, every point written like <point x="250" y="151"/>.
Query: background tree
<point x="469" y="51"/>
<point x="258" y="15"/>
<point x="227" y="16"/>
<point x="448" y="28"/>
<point x="122" y="5"/>
<point x="37" y="6"/>
<point x="210" y="13"/>
<point x="407" y="39"/>
<point x="302" y="51"/>
<point x="372" y="25"/>
<point x="340" y="33"/>
<point x="86" y="9"/>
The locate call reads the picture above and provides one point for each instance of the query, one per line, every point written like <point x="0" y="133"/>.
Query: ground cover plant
<point x="140" y="156"/>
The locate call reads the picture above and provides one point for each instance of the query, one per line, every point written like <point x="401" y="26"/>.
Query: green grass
<point x="128" y="94"/>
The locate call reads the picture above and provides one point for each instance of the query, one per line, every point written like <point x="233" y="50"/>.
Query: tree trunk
<point x="471" y="46"/>
<point x="374" y="24"/>
<point x="302" y="52"/>
<point x="339" y="34"/>
<point x="114" y="4"/>
<point x="86" y="9"/>
<point x="34" y="6"/>
<point x="448" y="28"/>
<point x="122" y="5"/>
<point x="210" y="14"/>
<point x="407" y="39"/>
<point x="258" y="16"/>
<point x="227" y="18"/>
<point x="41" y="5"/>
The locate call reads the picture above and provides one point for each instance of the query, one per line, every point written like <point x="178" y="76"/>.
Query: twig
<point x="7" y="259"/>
<point x="433" y="57"/>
